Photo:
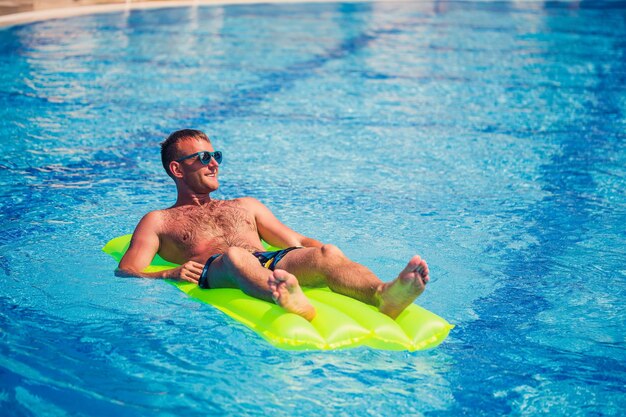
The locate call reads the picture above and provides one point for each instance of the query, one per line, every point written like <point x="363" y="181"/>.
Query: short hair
<point x="169" y="151"/>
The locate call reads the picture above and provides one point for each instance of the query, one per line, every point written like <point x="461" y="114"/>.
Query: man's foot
<point x="287" y="293"/>
<point x="397" y="295"/>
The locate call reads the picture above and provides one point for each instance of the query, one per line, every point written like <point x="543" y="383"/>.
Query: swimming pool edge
<point x="22" y="18"/>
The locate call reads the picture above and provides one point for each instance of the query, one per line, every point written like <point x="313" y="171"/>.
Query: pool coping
<point x="64" y="12"/>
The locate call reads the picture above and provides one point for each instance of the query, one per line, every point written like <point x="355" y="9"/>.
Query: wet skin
<point x="197" y="226"/>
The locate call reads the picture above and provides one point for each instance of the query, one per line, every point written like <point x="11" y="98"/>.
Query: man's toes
<point x="287" y="280"/>
<point x="280" y="275"/>
<point x="412" y="265"/>
<point x="272" y="283"/>
<point x="422" y="268"/>
<point x="279" y="291"/>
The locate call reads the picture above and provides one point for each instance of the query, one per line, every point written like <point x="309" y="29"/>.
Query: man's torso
<point x="197" y="232"/>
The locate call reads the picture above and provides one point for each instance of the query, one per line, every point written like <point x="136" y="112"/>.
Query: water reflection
<point x="485" y="136"/>
<point x="545" y="280"/>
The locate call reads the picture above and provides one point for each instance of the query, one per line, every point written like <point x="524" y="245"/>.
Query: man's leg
<point x="238" y="268"/>
<point x="329" y="266"/>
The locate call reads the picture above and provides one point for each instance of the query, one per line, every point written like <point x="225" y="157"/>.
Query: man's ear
<point x="175" y="169"/>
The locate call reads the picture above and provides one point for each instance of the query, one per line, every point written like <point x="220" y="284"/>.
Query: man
<point x="218" y="243"/>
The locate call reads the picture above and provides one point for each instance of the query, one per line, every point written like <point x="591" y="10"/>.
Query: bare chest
<point x="197" y="232"/>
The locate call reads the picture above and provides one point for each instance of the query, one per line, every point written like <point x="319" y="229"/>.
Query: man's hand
<point x="190" y="271"/>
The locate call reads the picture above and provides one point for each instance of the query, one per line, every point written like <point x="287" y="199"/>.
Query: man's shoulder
<point x="154" y="218"/>
<point x="243" y="200"/>
<point x="155" y="214"/>
<point x="247" y="203"/>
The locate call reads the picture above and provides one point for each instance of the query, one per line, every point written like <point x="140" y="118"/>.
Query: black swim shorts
<point x="268" y="260"/>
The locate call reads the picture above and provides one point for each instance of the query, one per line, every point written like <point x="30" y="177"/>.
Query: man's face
<point x="201" y="179"/>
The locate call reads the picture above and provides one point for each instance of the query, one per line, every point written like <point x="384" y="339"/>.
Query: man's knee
<point x="330" y="254"/>
<point x="234" y="256"/>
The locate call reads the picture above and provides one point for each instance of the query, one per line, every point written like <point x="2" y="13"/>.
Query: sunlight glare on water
<point x="487" y="137"/>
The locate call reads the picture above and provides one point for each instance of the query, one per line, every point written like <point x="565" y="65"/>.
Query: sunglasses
<point x="204" y="156"/>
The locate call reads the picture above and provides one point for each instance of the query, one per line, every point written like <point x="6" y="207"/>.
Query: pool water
<point x="488" y="137"/>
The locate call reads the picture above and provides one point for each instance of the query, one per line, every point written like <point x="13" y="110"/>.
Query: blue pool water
<point x="488" y="137"/>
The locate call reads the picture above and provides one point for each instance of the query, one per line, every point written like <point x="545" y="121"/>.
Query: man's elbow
<point x="121" y="273"/>
<point x="124" y="271"/>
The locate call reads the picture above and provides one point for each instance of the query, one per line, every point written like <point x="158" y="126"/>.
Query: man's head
<point x="182" y="161"/>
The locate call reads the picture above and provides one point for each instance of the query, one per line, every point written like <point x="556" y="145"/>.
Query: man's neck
<point x="191" y="199"/>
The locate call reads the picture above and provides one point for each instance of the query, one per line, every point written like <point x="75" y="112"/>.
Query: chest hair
<point x="223" y="221"/>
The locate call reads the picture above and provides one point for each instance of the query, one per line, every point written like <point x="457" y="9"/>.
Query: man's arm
<point x="273" y="231"/>
<point x="143" y="246"/>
